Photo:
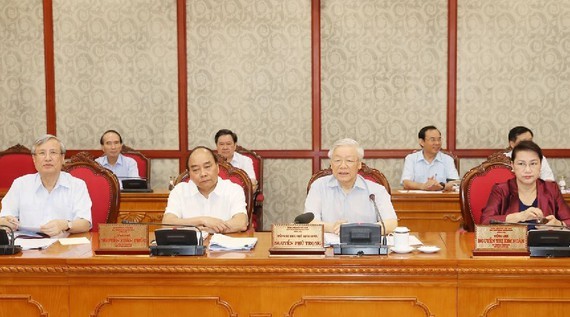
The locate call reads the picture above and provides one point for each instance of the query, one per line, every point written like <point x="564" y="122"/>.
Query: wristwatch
<point x="442" y="184"/>
<point x="69" y="225"/>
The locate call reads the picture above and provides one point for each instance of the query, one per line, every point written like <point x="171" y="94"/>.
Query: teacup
<point x="401" y="238"/>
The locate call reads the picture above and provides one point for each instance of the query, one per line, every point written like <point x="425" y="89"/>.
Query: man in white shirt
<point x="521" y="133"/>
<point x="226" y="144"/>
<point x="345" y="196"/>
<point x="122" y="166"/>
<point x="51" y="200"/>
<point x="206" y="201"/>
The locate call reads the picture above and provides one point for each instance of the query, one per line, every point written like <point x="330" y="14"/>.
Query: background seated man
<point x="429" y="169"/>
<point x="226" y="144"/>
<point x="51" y="200"/>
<point x="520" y="133"/>
<point x="344" y="196"/>
<point x="206" y="201"/>
<point x="122" y="166"/>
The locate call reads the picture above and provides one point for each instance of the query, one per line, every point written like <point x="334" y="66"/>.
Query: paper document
<point x="72" y="241"/>
<point x="417" y="191"/>
<point x="35" y="244"/>
<point x="220" y="242"/>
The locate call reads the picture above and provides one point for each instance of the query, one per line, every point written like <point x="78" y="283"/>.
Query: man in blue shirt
<point x="122" y="166"/>
<point x="429" y="169"/>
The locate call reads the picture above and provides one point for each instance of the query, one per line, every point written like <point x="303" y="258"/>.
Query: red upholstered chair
<point x="476" y="187"/>
<point x="143" y="162"/>
<point x="368" y="173"/>
<point x="236" y="175"/>
<point x="102" y="185"/>
<point x="258" y="194"/>
<point x="16" y="161"/>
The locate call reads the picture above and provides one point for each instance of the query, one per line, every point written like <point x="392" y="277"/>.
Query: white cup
<point x="401" y="238"/>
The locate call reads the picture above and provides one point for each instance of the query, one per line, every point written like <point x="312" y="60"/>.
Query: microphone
<point x="498" y="222"/>
<point x="379" y="217"/>
<point x="304" y="218"/>
<point x="201" y="241"/>
<point x="7" y="247"/>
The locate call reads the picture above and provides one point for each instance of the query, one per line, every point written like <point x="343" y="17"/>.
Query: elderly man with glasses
<point x="345" y="196"/>
<point x="50" y="201"/>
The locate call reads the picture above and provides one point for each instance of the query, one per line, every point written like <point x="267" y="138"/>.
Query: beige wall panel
<point x="22" y="77"/>
<point x="384" y="70"/>
<point x="285" y="189"/>
<point x="513" y="70"/>
<point x="249" y="70"/>
<point x="116" y="68"/>
<point x="466" y="164"/>
<point x="161" y="171"/>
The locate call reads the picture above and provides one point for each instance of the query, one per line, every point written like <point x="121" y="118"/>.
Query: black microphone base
<point x="10" y="249"/>
<point x="172" y="250"/>
<point x="363" y="249"/>
<point x="550" y="252"/>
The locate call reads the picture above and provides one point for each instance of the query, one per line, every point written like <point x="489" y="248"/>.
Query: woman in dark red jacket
<point x="526" y="198"/>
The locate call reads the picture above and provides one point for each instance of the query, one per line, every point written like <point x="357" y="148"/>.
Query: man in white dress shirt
<point x="51" y="200"/>
<point x="226" y="144"/>
<point x="206" y="201"/>
<point x="520" y="133"/>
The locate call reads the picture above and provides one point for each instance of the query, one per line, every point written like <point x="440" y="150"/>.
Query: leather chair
<point x="102" y="185"/>
<point x="143" y="162"/>
<point x="15" y="161"/>
<point x="258" y="194"/>
<point x="236" y="175"/>
<point x="368" y="173"/>
<point x="476" y="187"/>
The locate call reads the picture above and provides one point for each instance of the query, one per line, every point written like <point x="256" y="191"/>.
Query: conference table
<point x="72" y="281"/>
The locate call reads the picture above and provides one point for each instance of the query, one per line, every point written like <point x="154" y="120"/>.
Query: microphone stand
<point x="383" y="250"/>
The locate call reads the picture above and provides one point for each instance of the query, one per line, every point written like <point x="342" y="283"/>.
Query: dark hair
<point x="197" y="148"/>
<point x="526" y="146"/>
<point x="518" y="130"/>
<point x="223" y="132"/>
<point x="422" y="133"/>
<point x="111" y="131"/>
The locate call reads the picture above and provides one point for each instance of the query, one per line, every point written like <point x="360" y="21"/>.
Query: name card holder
<point x="500" y="240"/>
<point x="297" y="239"/>
<point x="116" y="238"/>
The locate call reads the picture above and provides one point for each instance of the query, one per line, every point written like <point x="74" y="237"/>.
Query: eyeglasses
<point x="348" y="162"/>
<point x="44" y="154"/>
<point x="524" y="165"/>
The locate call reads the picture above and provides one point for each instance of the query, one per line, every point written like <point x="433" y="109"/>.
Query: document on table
<point x="220" y="242"/>
<point x="35" y="244"/>
<point x="417" y="191"/>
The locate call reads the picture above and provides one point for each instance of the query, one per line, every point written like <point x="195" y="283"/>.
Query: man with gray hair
<point x="50" y="200"/>
<point x="344" y="196"/>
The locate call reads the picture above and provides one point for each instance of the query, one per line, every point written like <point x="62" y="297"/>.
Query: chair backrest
<point x="368" y="173"/>
<point x="236" y="175"/>
<point x="476" y="187"/>
<point x="102" y="185"/>
<point x="257" y="165"/>
<point x="143" y="162"/>
<point x="455" y="158"/>
<point x="15" y="161"/>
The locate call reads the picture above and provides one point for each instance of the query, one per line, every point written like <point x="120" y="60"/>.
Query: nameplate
<point x="116" y="238"/>
<point x="297" y="239"/>
<point x="500" y="240"/>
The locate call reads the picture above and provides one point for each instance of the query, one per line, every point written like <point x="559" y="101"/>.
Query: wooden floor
<point x="71" y="281"/>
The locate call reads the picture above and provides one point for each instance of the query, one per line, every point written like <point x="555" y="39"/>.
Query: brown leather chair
<point x="15" y="161"/>
<point x="476" y="187"/>
<point x="258" y="194"/>
<point x="368" y="173"/>
<point x="102" y="185"/>
<point x="143" y="162"/>
<point x="236" y="175"/>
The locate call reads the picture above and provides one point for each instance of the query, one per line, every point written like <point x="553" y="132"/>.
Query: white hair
<point x="43" y="139"/>
<point x="347" y="142"/>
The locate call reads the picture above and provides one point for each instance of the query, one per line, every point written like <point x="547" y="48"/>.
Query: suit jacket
<point x="504" y="200"/>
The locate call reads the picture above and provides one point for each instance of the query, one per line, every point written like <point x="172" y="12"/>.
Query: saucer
<point x="428" y="249"/>
<point x="402" y="250"/>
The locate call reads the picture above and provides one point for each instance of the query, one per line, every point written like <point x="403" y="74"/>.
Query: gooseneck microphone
<point x="304" y="218"/>
<point x="528" y="224"/>
<point x="7" y="246"/>
<point x="379" y="217"/>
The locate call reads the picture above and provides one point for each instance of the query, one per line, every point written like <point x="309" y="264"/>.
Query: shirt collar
<point x="63" y="180"/>
<point x="194" y="189"/>
<point x="119" y="160"/>
<point x="438" y="156"/>
<point x="359" y="183"/>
